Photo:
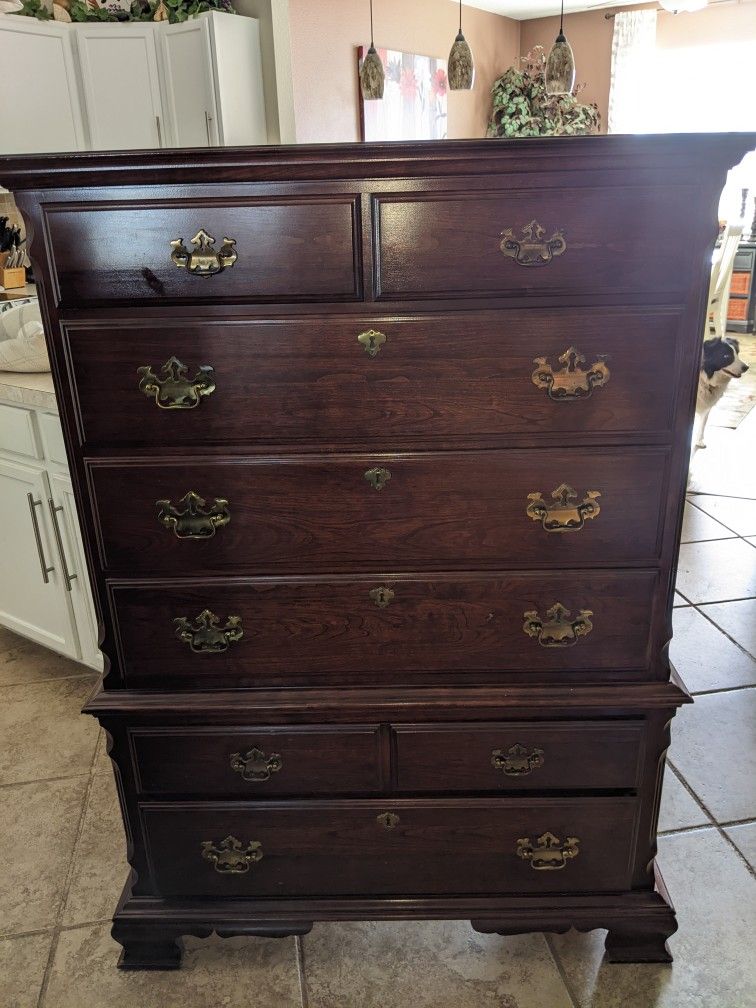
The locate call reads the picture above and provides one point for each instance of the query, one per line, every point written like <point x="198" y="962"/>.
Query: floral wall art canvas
<point x="413" y="106"/>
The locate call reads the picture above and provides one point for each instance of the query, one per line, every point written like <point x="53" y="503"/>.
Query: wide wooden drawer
<point x="399" y="628"/>
<point x="289" y="248"/>
<point x="527" y="755"/>
<point x="257" y="761"/>
<point x="362" y="512"/>
<point x="369" y="379"/>
<point x="561" y="241"/>
<point x="397" y="847"/>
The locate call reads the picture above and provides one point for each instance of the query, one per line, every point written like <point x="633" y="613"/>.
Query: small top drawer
<point x="286" y="249"/>
<point x="17" y="433"/>
<point x="500" y="757"/>
<point x="257" y="762"/>
<point x="519" y="241"/>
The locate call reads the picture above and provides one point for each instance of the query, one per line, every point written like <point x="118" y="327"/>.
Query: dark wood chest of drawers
<point x="381" y="476"/>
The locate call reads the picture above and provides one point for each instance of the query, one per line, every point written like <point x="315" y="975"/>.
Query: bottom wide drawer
<point x="371" y="847"/>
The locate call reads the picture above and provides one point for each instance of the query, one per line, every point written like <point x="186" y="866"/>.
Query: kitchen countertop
<point x="28" y="389"/>
<point x="18" y="293"/>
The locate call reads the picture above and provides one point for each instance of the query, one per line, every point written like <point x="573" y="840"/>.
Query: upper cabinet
<point x="40" y="108"/>
<point x="212" y="78"/>
<point x="135" y="86"/>
<point x="121" y="86"/>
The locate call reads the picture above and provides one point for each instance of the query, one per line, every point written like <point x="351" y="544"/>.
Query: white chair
<point x="722" y="264"/>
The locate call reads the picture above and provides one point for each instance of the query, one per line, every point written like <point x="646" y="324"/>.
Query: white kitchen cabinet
<point x="121" y="85"/>
<point x="212" y="77"/>
<point x="44" y="586"/>
<point x="134" y="86"/>
<point x="33" y="599"/>
<point x="40" y="107"/>
<point x="71" y="556"/>
<point x="189" y="88"/>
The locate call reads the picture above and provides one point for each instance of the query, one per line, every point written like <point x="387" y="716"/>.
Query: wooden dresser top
<point x="718" y="151"/>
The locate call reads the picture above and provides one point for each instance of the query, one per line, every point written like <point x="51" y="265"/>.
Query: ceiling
<point x="523" y="10"/>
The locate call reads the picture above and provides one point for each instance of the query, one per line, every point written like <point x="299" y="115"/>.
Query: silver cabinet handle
<point x="159" y="131"/>
<point x="208" y="120"/>
<point x="54" y="508"/>
<point x="33" y="505"/>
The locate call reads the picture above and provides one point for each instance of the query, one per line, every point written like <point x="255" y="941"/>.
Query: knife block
<point x="13" y="278"/>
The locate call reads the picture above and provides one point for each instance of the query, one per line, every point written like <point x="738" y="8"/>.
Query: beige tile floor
<point x="62" y="848"/>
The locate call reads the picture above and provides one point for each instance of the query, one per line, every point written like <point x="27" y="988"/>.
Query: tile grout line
<point x="549" y="939"/>
<point x="25" y="934"/>
<point x="723" y="689"/>
<point x="68" y="881"/>
<point x="300" y="956"/>
<point x="719" y="601"/>
<point x="699" y="508"/>
<point x="690" y="493"/>
<point x="698" y="607"/>
<point x="43" y="780"/>
<point x="751" y="870"/>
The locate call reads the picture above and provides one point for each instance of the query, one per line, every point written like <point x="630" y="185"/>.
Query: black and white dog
<point x="719" y="364"/>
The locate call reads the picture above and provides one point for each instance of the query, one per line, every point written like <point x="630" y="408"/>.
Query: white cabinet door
<point x="188" y="78"/>
<point x="40" y="109"/>
<point x="70" y="554"/>
<point x="121" y="85"/>
<point x="237" y="73"/>
<point x="33" y="599"/>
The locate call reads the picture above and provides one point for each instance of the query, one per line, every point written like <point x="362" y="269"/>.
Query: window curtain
<point x="633" y="56"/>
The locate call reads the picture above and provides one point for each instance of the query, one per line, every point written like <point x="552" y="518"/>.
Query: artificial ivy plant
<point x="140" y="10"/>
<point x="521" y="107"/>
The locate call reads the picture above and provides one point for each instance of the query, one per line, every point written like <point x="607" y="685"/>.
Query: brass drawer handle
<point x="372" y="340"/>
<point x="254" y="765"/>
<point x="530" y="249"/>
<point x="205" y="635"/>
<point x="204" y="259"/>
<point x="563" y="515"/>
<point x="557" y="629"/>
<point x="230" y="857"/>
<point x="381" y="596"/>
<point x="175" y="390"/>
<point x="389" y="820"/>
<point x="191" y="518"/>
<point x="517" y="761"/>
<point x="549" y="853"/>
<point x="378" y="478"/>
<point x="570" y="381"/>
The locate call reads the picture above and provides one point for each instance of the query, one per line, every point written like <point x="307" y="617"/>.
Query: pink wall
<point x="324" y="37"/>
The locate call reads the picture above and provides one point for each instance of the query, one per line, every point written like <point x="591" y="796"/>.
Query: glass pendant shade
<point x="461" y="69"/>
<point x="372" y="76"/>
<point x="560" y="68"/>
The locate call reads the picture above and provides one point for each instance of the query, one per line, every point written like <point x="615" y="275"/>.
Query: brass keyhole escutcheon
<point x="389" y="820"/>
<point x="378" y="477"/>
<point x="372" y="340"/>
<point x="382" y="596"/>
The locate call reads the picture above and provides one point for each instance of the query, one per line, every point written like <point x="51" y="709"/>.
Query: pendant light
<point x="461" y="71"/>
<point x="560" y="65"/>
<point x="372" y="76"/>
